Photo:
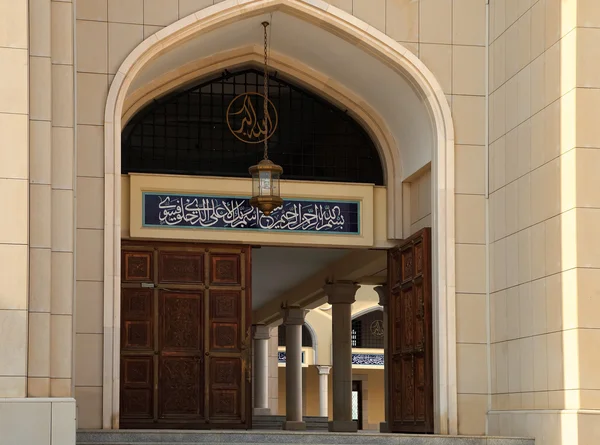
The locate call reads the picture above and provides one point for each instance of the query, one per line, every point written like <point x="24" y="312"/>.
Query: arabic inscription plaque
<point x="246" y="118"/>
<point x="219" y="212"/>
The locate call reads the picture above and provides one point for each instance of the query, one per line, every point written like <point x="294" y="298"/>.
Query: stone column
<point x="341" y="296"/>
<point x="261" y="371"/>
<point x="323" y="390"/>
<point x="293" y="319"/>
<point x="274" y="370"/>
<point x="383" y="293"/>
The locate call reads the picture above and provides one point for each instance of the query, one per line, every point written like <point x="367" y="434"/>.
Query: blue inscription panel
<point x="218" y="212"/>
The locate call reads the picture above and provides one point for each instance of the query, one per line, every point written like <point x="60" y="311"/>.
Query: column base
<point x="54" y="420"/>
<point x="262" y="411"/>
<point x="343" y="426"/>
<point x="294" y="425"/>
<point x="383" y="427"/>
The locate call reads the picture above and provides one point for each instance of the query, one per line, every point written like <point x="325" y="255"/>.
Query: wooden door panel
<point x="225" y="269"/>
<point x="180" y="326"/>
<point x="181" y="267"/>
<point x="225" y="320"/>
<point x="229" y="314"/>
<point x="226" y="380"/>
<point x="137" y="266"/>
<point x="180" y="392"/>
<point x="410" y="342"/>
<point x="181" y="354"/>
<point x="137" y="395"/>
<point x="136" y="314"/>
<point x="185" y="350"/>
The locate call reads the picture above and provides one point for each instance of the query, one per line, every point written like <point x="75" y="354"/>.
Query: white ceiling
<point x="384" y="89"/>
<point x="277" y="269"/>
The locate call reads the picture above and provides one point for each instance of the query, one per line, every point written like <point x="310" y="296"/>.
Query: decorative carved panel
<point x="136" y="403"/>
<point x="225" y="304"/>
<point x="408" y="388"/>
<point x="181" y="267"/>
<point x="407" y="265"/>
<point x="137" y="266"/>
<point x="136" y="316"/>
<point x="181" y="327"/>
<point x="410" y="343"/>
<point x="138" y="372"/>
<point x="225" y="269"/>
<point x="180" y="391"/>
<point x="136" y="387"/>
<point x="226" y="386"/>
<point x="407" y="320"/>
<point x="225" y="336"/>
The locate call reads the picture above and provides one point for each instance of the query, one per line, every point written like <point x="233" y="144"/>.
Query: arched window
<point x="307" y="341"/>
<point x="367" y="330"/>
<point x="186" y="133"/>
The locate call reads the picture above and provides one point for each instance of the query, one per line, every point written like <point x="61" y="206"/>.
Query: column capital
<point x="323" y="369"/>
<point x="293" y="315"/>
<point x="341" y="292"/>
<point x="261" y="332"/>
<point x="383" y="293"/>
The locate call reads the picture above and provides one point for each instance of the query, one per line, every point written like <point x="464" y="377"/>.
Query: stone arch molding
<point x="377" y="44"/>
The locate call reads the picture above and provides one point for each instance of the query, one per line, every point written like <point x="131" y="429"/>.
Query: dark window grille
<point x="367" y="330"/>
<point x="186" y="133"/>
<point x="306" y="336"/>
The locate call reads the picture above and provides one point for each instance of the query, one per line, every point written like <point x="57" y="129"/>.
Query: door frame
<point x="247" y="332"/>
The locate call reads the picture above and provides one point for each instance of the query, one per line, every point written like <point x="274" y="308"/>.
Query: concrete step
<point x="254" y="437"/>
<point x="313" y="423"/>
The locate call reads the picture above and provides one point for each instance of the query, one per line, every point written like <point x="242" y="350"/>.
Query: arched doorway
<point x="348" y="30"/>
<point x="186" y="307"/>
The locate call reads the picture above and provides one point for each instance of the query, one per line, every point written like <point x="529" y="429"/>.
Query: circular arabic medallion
<point x="377" y="328"/>
<point x="245" y="118"/>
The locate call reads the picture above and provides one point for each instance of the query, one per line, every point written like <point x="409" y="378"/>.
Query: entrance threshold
<point x="254" y="437"/>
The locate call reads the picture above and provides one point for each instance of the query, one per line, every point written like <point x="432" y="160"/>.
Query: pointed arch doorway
<point x="389" y="53"/>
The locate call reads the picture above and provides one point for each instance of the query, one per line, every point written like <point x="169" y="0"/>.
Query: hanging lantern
<point x="266" y="174"/>
<point x="265" y="186"/>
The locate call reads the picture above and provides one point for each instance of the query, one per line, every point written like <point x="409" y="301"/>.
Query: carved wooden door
<point x="410" y="340"/>
<point x="185" y="318"/>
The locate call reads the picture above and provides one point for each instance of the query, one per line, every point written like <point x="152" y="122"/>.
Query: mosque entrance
<point x="185" y="336"/>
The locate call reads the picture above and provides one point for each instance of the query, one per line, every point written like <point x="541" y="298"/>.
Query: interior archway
<point x="400" y="65"/>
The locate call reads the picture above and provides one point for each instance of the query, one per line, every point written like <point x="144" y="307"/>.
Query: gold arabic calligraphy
<point x="245" y="123"/>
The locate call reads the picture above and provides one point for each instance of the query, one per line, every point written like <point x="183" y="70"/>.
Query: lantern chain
<point x="266" y="93"/>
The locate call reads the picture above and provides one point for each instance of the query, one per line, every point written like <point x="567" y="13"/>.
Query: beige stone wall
<point x="544" y="218"/>
<point x="14" y="177"/>
<point x="37" y="241"/>
<point x="419" y="203"/>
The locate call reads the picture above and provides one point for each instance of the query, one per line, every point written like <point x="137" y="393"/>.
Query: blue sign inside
<point x="218" y="212"/>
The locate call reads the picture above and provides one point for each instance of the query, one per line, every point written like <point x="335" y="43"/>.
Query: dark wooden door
<point x="185" y="336"/>
<point x="410" y="340"/>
